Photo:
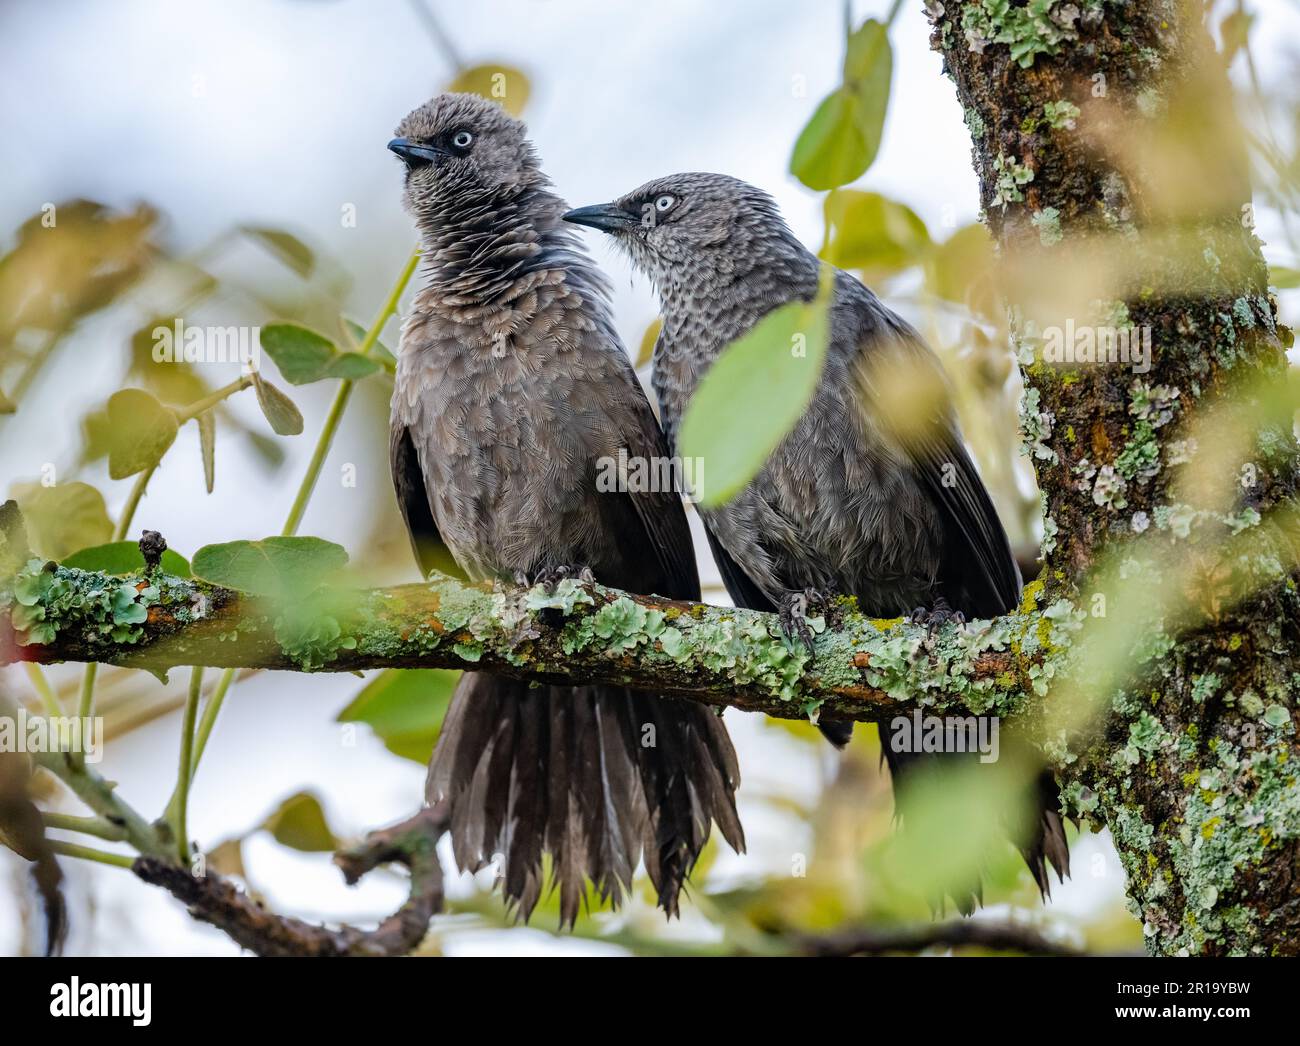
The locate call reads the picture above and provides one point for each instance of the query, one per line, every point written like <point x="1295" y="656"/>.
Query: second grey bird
<point x="860" y="498"/>
<point x="511" y="388"/>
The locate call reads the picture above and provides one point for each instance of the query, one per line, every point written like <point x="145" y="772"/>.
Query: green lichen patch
<point x="94" y="610"/>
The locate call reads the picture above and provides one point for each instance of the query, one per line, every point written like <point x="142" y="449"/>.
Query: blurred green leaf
<point x="841" y="140"/>
<point x="275" y="566"/>
<point x="870" y="231"/>
<point x="174" y="382"/>
<point x="63" y="518"/>
<point x="963" y="261"/>
<point x="501" y="83"/>
<point x="405" y="708"/>
<point x="753" y="395"/>
<point x="1283" y="277"/>
<point x="279" y="410"/>
<point x="15" y="549"/>
<point x="957" y="815"/>
<point x="227" y="858"/>
<point x="299" y="823"/>
<point x="207" y="423"/>
<point x="140" y="429"/>
<point x="124" y="557"/>
<point x="285" y="246"/>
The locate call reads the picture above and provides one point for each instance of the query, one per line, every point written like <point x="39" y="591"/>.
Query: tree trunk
<point x="1114" y="180"/>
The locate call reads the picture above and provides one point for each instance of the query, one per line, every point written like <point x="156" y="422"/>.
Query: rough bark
<point x="575" y="633"/>
<point x="1190" y="756"/>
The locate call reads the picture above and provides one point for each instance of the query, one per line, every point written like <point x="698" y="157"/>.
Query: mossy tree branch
<point x="572" y="633"/>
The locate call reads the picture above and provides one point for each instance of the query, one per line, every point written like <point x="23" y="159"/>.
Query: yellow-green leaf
<point x="870" y="231"/>
<point x="501" y="83"/>
<point x="285" y="246"/>
<point x="284" y="418"/>
<point x="647" y="350"/>
<point x="299" y="823"/>
<point x="841" y="140"/>
<point x="140" y="429"/>
<point x="63" y="518"/>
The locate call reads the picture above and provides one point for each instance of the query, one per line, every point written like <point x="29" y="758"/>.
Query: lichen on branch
<point x="572" y="632"/>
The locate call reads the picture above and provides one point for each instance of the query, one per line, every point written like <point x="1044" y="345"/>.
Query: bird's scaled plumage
<point x="873" y="493"/>
<point x="511" y="388"/>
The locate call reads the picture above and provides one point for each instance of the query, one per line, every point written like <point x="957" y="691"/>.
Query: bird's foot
<point x="801" y="612"/>
<point x="935" y="617"/>
<point x="550" y="576"/>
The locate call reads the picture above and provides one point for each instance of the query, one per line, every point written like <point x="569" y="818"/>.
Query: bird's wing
<point x="740" y="586"/>
<point x="977" y="571"/>
<point x="413" y="500"/>
<point x="666" y="534"/>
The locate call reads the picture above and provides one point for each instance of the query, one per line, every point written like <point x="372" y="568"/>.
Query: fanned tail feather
<point x="599" y="778"/>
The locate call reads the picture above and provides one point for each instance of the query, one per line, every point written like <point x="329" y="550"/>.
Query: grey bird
<point x="511" y="389"/>
<point x="860" y="498"/>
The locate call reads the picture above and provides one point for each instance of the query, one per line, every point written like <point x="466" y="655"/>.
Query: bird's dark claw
<point x="794" y="612"/>
<point x="550" y="576"/>
<point x="935" y="617"/>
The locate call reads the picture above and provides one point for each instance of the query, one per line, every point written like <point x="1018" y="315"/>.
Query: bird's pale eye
<point x="665" y="202"/>
<point x="462" y="139"/>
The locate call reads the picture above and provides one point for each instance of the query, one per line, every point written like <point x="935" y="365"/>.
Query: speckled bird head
<point x="461" y="149"/>
<point x="693" y="227"/>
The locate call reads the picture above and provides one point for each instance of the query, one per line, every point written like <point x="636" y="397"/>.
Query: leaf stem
<point x="341" y="397"/>
<point x="96" y="826"/>
<point x="88" y="853"/>
<point x="179" y="806"/>
<point x="193" y="410"/>
<point x="308" y="485"/>
<point x="42" y="686"/>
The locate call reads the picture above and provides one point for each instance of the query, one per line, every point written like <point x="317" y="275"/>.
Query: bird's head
<point x="689" y="227"/>
<point x="460" y="149"/>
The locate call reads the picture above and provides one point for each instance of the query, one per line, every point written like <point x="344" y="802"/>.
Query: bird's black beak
<point x="607" y="217"/>
<point x="412" y="153"/>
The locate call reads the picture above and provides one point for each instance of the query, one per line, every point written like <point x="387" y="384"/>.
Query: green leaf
<point x="63" y="518"/>
<point x="7" y="406"/>
<point x="124" y="557"/>
<point x="956" y="266"/>
<point x="501" y="83"/>
<point x="304" y="356"/>
<point x="405" y="708"/>
<point x="752" y="396"/>
<point x="864" y="52"/>
<point x="207" y="423"/>
<point x="870" y="231"/>
<point x="831" y="150"/>
<point x="140" y="429"/>
<point x="285" y="246"/>
<point x="299" y="823"/>
<point x="841" y="140"/>
<point x="279" y="409"/>
<point x="276" y="566"/>
<point x="1283" y="277"/>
